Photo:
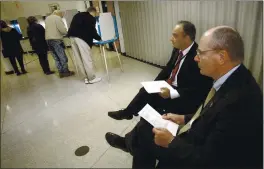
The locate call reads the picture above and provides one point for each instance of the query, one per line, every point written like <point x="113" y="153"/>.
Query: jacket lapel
<point x="228" y="89"/>
<point x="176" y="54"/>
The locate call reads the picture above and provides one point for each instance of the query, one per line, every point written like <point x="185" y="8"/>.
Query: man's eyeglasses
<point x="203" y="52"/>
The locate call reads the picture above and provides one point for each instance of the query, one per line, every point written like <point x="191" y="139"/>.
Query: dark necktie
<point x="176" y="68"/>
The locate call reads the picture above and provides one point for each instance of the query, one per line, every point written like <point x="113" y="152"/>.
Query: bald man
<point x="54" y="32"/>
<point x="225" y="132"/>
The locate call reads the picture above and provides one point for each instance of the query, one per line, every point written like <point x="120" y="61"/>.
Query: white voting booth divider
<point x="107" y="29"/>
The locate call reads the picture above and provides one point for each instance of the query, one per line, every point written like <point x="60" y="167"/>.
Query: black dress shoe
<point x="9" y="72"/>
<point x="24" y="72"/>
<point x="67" y="74"/>
<point x="18" y="73"/>
<point x="119" y="115"/>
<point x="116" y="141"/>
<point x="49" y="73"/>
<point x="61" y="75"/>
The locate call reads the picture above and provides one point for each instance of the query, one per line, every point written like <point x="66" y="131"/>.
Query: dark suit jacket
<point x="36" y="35"/>
<point x="192" y="86"/>
<point x="229" y="132"/>
<point x="83" y="27"/>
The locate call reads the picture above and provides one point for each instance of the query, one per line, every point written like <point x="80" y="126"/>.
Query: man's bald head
<point x="220" y="49"/>
<point x="228" y="39"/>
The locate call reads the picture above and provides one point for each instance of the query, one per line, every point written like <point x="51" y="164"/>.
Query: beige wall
<point x="13" y="10"/>
<point x="147" y="27"/>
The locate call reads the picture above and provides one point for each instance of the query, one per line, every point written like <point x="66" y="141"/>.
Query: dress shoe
<point x="116" y="141"/>
<point x="119" y="115"/>
<point x="66" y="74"/>
<point x="18" y="73"/>
<point x="61" y="75"/>
<point x="70" y="73"/>
<point x="49" y="72"/>
<point x="24" y="72"/>
<point x="9" y="72"/>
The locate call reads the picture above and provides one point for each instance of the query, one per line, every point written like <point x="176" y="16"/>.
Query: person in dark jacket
<point x="188" y="87"/>
<point x="11" y="46"/>
<point x="82" y="31"/>
<point x="36" y="35"/>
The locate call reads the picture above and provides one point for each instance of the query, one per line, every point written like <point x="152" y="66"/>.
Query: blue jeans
<point x="58" y="53"/>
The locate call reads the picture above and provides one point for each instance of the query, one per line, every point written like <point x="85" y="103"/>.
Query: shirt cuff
<point x="174" y="94"/>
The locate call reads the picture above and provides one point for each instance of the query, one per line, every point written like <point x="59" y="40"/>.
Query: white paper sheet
<point x="156" y="120"/>
<point x="155" y="86"/>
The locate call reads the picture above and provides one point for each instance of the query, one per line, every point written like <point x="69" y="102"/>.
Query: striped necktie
<point x="187" y="126"/>
<point x="176" y="68"/>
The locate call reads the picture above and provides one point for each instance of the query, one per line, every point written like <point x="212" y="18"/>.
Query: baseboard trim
<point x="152" y="64"/>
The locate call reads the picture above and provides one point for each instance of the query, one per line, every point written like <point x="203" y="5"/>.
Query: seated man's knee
<point x="142" y="90"/>
<point x="144" y="128"/>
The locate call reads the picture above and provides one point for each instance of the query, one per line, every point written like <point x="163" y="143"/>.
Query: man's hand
<point x="162" y="137"/>
<point x="164" y="93"/>
<point x="179" y="119"/>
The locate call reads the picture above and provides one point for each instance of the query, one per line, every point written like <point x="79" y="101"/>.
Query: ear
<point x="223" y="57"/>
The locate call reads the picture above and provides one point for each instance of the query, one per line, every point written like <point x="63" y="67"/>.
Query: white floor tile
<point x="44" y="119"/>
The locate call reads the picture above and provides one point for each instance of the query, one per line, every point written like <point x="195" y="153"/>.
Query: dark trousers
<point x="19" y="58"/>
<point x="43" y="60"/>
<point x="58" y="53"/>
<point x="140" y="142"/>
<point x="157" y="102"/>
<point x="143" y="98"/>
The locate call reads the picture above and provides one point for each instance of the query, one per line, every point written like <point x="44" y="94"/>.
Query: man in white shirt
<point x="181" y="72"/>
<point x="54" y="32"/>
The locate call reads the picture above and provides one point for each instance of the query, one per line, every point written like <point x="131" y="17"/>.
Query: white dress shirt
<point x="219" y="82"/>
<point x="173" y="93"/>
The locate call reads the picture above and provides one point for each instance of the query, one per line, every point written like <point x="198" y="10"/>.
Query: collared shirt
<point x="219" y="82"/>
<point x="174" y="83"/>
<point x="174" y="94"/>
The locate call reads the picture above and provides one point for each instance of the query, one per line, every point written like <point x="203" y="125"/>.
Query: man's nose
<point x="196" y="58"/>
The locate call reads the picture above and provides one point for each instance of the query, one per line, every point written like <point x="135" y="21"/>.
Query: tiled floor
<point x="44" y="119"/>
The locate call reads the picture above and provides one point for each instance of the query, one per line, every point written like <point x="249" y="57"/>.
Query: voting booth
<point x="68" y="15"/>
<point x="107" y="28"/>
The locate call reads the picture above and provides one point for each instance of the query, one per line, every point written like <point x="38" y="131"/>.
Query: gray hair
<point x="57" y="12"/>
<point x="227" y="38"/>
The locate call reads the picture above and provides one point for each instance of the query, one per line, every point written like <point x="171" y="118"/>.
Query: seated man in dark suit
<point x="225" y="132"/>
<point x="181" y="72"/>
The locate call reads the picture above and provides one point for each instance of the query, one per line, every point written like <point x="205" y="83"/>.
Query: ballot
<point x="155" y="86"/>
<point x="156" y="120"/>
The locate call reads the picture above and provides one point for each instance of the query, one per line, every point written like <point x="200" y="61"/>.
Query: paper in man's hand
<point x="155" y="86"/>
<point x="156" y="120"/>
